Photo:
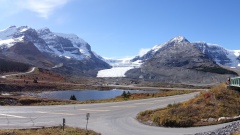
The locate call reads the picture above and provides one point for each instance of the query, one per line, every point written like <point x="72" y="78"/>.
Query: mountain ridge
<point x="70" y="50"/>
<point x="180" y="61"/>
<point x="231" y="58"/>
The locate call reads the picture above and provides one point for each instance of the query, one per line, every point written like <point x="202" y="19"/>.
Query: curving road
<point x="32" y="70"/>
<point x="106" y="118"/>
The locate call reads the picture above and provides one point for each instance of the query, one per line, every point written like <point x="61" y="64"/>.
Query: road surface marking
<point x="93" y="110"/>
<point x="55" y="113"/>
<point x="22" y="124"/>
<point x="15" y="116"/>
<point x="123" y="106"/>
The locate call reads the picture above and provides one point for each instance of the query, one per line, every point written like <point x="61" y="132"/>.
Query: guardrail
<point x="235" y="81"/>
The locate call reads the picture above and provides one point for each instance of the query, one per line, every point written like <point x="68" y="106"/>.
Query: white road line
<point x="15" y="116"/>
<point x="21" y="124"/>
<point x="55" y="113"/>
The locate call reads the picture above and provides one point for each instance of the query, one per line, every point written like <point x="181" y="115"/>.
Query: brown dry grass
<point x="215" y="103"/>
<point x="236" y="133"/>
<point x="48" y="131"/>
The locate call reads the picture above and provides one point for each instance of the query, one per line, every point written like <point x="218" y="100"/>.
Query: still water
<point x="89" y="94"/>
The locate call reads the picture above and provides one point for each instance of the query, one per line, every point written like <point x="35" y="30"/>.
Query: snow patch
<point x="236" y="53"/>
<point x="67" y="57"/>
<point x="157" y="47"/>
<point x="8" y="33"/>
<point x="24" y="29"/>
<point x="178" y="39"/>
<point x="77" y="43"/>
<point x="7" y="42"/>
<point x="10" y="42"/>
<point x="143" y="51"/>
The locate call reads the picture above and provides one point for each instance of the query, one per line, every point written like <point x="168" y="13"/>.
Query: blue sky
<point x="122" y="28"/>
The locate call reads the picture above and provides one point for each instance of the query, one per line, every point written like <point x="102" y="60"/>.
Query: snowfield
<point x="114" y="72"/>
<point x="119" y="67"/>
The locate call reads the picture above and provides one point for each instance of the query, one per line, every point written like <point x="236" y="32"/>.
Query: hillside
<point x="179" y="61"/>
<point x="217" y="105"/>
<point x="10" y="66"/>
<point x="46" y="49"/>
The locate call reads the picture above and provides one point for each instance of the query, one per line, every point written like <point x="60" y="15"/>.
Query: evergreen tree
<point x="73" y="97"/>
<point x="124" y="95"/>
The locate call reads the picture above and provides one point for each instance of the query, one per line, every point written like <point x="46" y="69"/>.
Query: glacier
<point x="119" y="67"/>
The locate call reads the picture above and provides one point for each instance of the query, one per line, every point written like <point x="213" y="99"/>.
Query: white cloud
<point x="143" y="51"/>
<point x="44" y="8"/>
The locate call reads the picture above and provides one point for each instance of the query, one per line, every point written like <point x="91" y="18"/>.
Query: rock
<point x="204" y="120"/>
<point x="224" y="118"/>
<point x="236" y="117"/>
<point x="227" y="130"/>
<point x="211" y="119"/>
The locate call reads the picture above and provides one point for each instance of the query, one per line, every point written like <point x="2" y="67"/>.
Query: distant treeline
<point x="10" y="66"/>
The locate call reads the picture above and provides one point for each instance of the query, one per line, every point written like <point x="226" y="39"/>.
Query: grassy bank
<point x="237" y="133"/>
<point x="204" y="109"/>
<point x="48" y="131"/>
<point x="20" y="100"/>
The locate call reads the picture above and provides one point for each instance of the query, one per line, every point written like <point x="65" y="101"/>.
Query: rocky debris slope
<point x="227" y="130"/>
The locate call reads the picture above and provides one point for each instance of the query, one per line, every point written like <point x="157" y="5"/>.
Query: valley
<point x="39" y="60"/>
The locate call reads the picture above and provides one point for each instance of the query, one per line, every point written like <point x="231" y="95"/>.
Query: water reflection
<point x="89" y="94"/>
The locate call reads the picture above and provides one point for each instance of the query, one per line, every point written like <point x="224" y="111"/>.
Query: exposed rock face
<point x="179" y="61"/>
<point x="47" y="49"/>
<point x="26" y="52"/>
<point x="220" y="55"/>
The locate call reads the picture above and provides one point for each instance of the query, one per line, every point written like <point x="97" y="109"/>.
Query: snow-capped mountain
<point x="177" y="52"/>
<point x="67" y="45"/>
<point x="220" y="55"/>
<point x="56" y="47"/>
<point x="13" y="35"/>
<point x="180" y="61"/>
<point x="156" y="48"/>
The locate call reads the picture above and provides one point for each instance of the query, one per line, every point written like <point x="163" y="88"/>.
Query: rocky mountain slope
<point x="47" y="49"/>
<point x="179" y="61"/>
<point x="222" y="56"/>
<point x="219" y="54"/>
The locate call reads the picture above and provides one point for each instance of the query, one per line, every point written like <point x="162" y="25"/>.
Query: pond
<point x="82" y="95"/>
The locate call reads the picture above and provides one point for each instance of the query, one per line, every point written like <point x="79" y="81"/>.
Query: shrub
<point x="73" y="97"/>
<point x="215" y="103"/>
<point x="35" y="81"/>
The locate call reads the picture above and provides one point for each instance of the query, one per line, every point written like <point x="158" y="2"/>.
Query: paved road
<point x="106" y="118"/>
<point x="32" y="70"/>
<point x="152" y="88"/>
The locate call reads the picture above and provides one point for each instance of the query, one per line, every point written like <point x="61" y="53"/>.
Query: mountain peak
<point x="13" y="26"/>
<point x="179" y="39"/>
<point x="44" y="30"/>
